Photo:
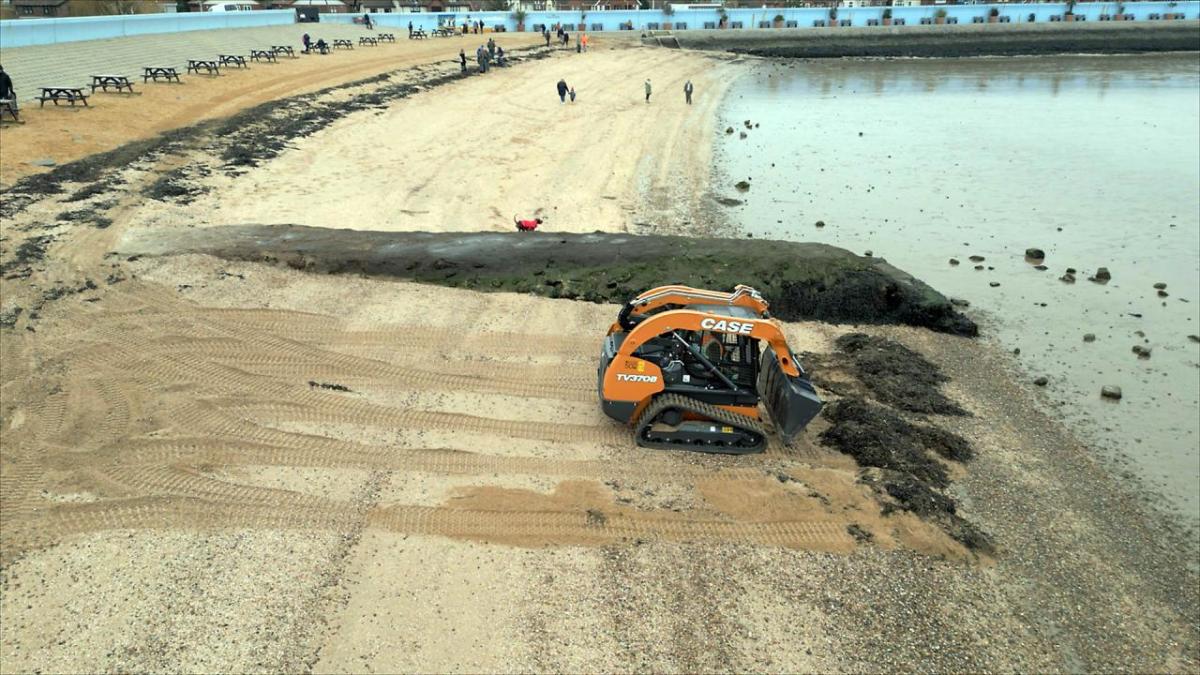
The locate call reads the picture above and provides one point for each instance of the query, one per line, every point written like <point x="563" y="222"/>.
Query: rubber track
<point x="712" y="412"/>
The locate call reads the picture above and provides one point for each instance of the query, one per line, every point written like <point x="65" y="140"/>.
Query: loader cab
<point x="690" y="371"/>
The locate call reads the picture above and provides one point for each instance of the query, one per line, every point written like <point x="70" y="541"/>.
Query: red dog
<point x="527" y="225"/>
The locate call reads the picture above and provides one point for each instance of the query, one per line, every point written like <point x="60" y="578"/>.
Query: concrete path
<point x="73" y="64"/>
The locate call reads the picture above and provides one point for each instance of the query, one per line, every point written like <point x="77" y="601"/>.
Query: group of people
<point x="485" y="56"/>
<point x="320" y="46"/>
<point x="564" y="91"/>
<point x="688" y="88"/>
<point x="564" y="38"/>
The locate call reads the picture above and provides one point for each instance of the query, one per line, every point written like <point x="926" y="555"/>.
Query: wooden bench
<point x="263" y="55"/>
<point x="445" y="32"/>
<point x="343" y="44"/>
<point x="283" y="49"/>
<point x="120" y="82"/>
<point x="364" y="40"/>
<point x="210" y="67"/>
<point x="233" y="60"/>
<point x="7" y="105"/>
<point x="154" y="72"/>
<point x="386" y="37"/>
<point x="69" y="94"/>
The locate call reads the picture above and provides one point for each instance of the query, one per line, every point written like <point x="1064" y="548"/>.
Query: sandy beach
<point x="223" y="465"/>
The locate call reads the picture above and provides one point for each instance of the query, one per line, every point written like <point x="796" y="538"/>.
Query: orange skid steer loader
<point x="683" y="367"/>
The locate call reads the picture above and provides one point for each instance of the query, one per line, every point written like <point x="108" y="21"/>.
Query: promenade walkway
<point x="74" y="63"/>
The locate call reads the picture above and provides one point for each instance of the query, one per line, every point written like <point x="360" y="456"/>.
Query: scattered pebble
<point x="954" y="261"/>
<point x="1111" y="391"/>
<point x="1089" y="337"/>
<point x="1042" y="381"/>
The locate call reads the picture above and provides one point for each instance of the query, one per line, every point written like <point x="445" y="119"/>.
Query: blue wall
<point x="25" y="32"/>
<point x="750" y="18"/>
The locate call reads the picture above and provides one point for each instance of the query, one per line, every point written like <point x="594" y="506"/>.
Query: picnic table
<point x="343" y="44"/>
<point x="105" y="81"/>
<point x="445" y="32"/>
<point x="386" y="37"/>
<point x="284" y="49"/>
<point x="233" y="60"/>
<point x="263" y="55"/>
<point x="364" y="40"/>
<point x="207" y="65"/>
<point x="154" y="72"/>
<point x="418" y="34"/>
<point x="7" y="105"/>
<point x="56" y="94"/>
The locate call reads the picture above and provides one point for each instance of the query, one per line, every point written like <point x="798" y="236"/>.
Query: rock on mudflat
<point x="960" y="302"/>
<point x="1194" y="338"/>
<point x="954" y="261"/>
<point x="993" y="284"/>
<point x="1142" y="352"/>
<point x="1089" y="337"/>
<point x="1067" y="278"/>
<point x="820" y="223"/>
<point x="741" y="134"/>
<point x="1111" y="391"/>
<point x="729" y="130"/>
<point x="1040" y="268"/>
<point x="1035" y="254"/>
<point x="1102" y="276"/>
<point x="1162" y="293"/>
<point x="1160" y="286"/>
<point x="1042" y="381"/>
<point x="976" y="258"/>
<point x="742" y="185"/>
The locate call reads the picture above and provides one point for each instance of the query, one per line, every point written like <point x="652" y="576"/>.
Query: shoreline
<point x="1130" y="445"/>
<point x="203" y="412"/>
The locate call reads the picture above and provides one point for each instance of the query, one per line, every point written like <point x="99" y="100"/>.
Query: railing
<point x="25" y="32"/>
<point x="639" y="20"/>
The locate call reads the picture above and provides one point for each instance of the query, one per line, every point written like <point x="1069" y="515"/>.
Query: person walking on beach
<point x="546" y="34"/>
<point x="572" y="94"/>
<point x="6" y="90"/>
<point x="409" y="30"/>
<point x="306" y="40"/>
<point x="367" y="22"/>
<point x="647" y="90"/>
<point x="462" y="58"/>
<point x="583" y="39"/>
<point x="562" y="91"/>
<point x="687" y="91"/>
<point x="491" y="45"/>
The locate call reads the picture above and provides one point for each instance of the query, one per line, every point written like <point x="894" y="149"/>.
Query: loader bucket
<point x="791" y="401"/>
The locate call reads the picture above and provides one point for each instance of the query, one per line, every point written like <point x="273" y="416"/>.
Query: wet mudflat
<point x="952" y="169"/>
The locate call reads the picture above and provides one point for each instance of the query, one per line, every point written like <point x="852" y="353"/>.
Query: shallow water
<point x="1095" y="160"/>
